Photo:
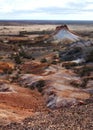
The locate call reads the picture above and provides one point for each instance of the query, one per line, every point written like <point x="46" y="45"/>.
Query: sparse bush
<point x="17" y="58"/>
<point x="1" y="57"/>
<point x="54" y="62"/>
<point x="69" y="65"/>
<point x="24" y="54"/>
<point x="85" y="71"/>
<point x="54" y="50"/>
<point x="55" y="57"/>
<point x="39" y="85"/>
<point x="33" y="58"/>
<point x="43" y="60"/>
<point x="21" y="33"/>
<point x="89" y="57"/>
<point x="27" y="56"/>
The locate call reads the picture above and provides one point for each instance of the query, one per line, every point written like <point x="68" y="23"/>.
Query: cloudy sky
<point x="46" y="9"/>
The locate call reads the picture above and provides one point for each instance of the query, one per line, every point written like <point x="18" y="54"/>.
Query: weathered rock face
<point x="77" y="50"/>
<point x="62" y="34"/>
<point x="5" y="87"/>
<point x="71" y="54"/>
<point x="56" y="86"/>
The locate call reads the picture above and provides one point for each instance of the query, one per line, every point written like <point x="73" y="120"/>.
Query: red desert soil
<point x="6" y="66"/>
<point x="33" y="67"/>
<point x="19" y="104"/>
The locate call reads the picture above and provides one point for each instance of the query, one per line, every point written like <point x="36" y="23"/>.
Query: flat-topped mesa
<point x="62" y="33"/>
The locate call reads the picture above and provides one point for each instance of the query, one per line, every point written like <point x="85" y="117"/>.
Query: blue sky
<point x="46" y="9"/>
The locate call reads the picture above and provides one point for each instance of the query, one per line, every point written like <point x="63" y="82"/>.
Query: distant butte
<point x="62" y="33"/>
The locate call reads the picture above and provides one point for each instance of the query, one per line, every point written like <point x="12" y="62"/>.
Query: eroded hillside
<point x="39" y="77"/>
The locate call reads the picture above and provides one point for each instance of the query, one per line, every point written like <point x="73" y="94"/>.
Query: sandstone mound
<point x="63" y="34"/>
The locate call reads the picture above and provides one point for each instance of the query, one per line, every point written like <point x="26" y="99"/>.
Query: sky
<point x="46" y="9"/>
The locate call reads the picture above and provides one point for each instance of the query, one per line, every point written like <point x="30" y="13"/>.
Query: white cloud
<point x="46" y="9"/>
<point x="89" y="7"/>
<point x="33" y="4"/>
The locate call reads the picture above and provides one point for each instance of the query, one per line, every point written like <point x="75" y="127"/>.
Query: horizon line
<point x="40" y="20"/>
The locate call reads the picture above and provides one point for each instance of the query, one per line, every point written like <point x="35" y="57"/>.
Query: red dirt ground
<point x="20" y="104"/>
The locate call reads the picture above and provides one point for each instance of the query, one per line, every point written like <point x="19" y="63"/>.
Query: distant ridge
<point x="15" y="22"/>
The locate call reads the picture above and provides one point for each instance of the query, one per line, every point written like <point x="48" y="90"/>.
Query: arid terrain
<point x="46" y="76"/>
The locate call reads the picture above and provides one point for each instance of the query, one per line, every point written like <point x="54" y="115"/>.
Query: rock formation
<point x="62" y="34"/>
<point x="56" y="85"/>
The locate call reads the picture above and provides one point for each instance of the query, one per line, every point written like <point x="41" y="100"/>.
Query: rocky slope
<point x="54" y="92"/>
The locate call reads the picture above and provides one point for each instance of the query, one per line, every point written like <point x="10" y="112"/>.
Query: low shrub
<point x="43" y="60"/>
